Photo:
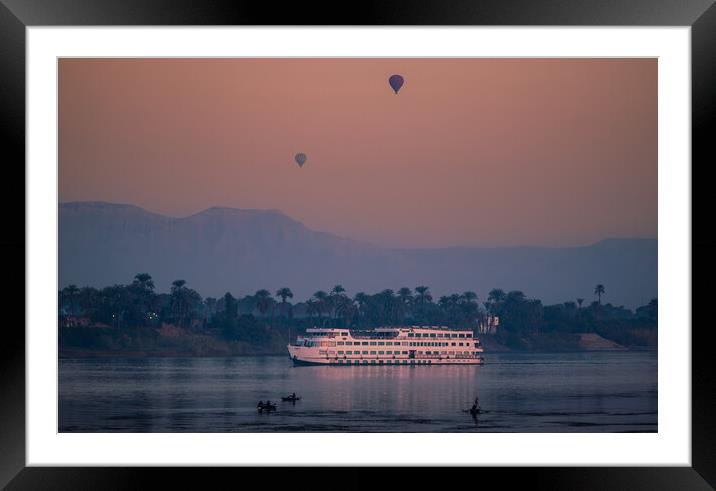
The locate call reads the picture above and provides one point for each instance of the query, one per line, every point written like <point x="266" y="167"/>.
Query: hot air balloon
<point x="396" y="82"/>
<point x="300" y="159"/>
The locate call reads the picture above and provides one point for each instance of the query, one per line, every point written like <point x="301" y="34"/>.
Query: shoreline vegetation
<point x="134" y="321"/>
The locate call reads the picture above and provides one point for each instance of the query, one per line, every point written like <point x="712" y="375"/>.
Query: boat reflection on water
<point x="404" y="389"/>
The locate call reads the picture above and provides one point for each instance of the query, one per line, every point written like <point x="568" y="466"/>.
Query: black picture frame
<point x="16" y="15"/>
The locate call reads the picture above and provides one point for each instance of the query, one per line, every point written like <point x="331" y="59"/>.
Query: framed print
<point x="428" y="236"/>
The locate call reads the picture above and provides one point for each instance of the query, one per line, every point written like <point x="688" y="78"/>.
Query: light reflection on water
<point x="594" y="392"/>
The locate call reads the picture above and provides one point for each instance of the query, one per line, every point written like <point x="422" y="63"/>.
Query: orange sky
<point x="470" y="152"/>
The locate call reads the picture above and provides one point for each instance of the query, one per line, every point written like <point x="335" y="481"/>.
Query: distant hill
<point x="226" y="249"/>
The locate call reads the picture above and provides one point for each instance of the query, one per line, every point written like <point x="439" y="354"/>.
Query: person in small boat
<point x="261" y="403"/>
<point x="293" y="396"/>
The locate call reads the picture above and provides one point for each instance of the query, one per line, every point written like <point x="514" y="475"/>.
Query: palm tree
<point x="405" y="295"/>
<point x="496" y="295"/>
<point x="71" y="292"/>
<point x="263" y="300"/>
<point x="579" y="302"/>
<point x="183" y="301"/>
<point x="321" y="299"/>
<point x="423" y="295"/>
<point x="469" y="296"/>
<point x="210" y="307"/>
<point x="312" y="308"/>
<point x="143" y="286"/>
<point x="177" y="303"/>
<point x="335" y="299"/>
<point x="599" y="291"/>
<point x="495" y="301"/>
<point x="144" y="281"/>
<point x="284" y="293"/>
<point x="386" y="300"/>
<point x="346" y="309"/>
<point x="362" y="300"/>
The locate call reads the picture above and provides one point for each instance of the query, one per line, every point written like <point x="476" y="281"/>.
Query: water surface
<point x="524" y="392"/>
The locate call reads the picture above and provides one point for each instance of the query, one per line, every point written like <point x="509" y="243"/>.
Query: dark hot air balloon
<point x="396" y="82"/>
<point x="300" y="159"/>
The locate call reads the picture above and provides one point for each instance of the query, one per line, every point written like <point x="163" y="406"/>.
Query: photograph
<point x="357" y="245"/>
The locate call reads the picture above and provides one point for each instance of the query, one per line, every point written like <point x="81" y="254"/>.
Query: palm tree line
<point x="138" y="304"/>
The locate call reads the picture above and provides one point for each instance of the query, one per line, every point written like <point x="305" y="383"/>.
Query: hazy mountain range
<point x="226" y="249"/>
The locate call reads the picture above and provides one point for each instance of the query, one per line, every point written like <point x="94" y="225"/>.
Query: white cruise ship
<point x="415" y="345"/>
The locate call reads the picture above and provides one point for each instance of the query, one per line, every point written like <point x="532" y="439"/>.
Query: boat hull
<point x="392" y="362"/>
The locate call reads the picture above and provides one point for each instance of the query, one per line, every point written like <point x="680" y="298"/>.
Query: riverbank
<point x="101" y="342"/>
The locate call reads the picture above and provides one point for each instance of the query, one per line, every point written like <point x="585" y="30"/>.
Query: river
<point x="518" y="392"/>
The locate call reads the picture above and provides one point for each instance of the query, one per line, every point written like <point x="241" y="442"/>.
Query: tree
<point x="580" y="301"/>
<point x="284" y="293"/>
<point x="263" y="300"/>
<point x="210" y="304"/>
<point x="71" y="294"/>
<point x="312" y="308"/>
<point x="346" y="310"/>
<point x="183" y="302"/>
<point x="599" y="291"/>
<point x="321" y="299"/>
<point x="144" y="281"/>
<point x="469" y="296"/>
<point x="143" y="289"/>
<point x="405" y="296"/>
<point x="362" y="300"/>
<point x="336" y="299"/>
<point x="423" y="295"/>
<point x="495" y="300"/>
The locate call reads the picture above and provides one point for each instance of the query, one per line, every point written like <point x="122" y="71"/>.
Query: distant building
<point x="488" y="324"/>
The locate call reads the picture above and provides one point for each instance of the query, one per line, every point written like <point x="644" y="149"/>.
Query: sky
<point x="470" y="152"/>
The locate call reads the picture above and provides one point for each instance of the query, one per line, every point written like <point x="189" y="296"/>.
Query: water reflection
<point x="535" y="392"/>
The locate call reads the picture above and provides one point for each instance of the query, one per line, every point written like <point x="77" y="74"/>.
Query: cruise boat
<point x="415" y="345"/>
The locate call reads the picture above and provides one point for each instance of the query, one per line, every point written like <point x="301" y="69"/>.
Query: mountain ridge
<point x="223" y="249"/>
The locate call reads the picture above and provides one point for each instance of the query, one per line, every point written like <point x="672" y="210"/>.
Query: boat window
<point x="349" y="343"/>
<point x="432" y="334"/>
<point x="372" y="352"/>
<point x="364" y="343"/>
<point x="372" y="343"/>
<point x="453" y="335"/>
<point x="340" y="343"/>
<point x="340" y="352"/>
<point x="381" y="343"/>
<point x="461" y="344"/>
<point x="410" y="334"/>
<point x="461" y="335"/>
<point x="365" y="352"/>
<point x="381" y="352"/>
